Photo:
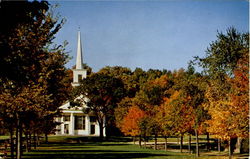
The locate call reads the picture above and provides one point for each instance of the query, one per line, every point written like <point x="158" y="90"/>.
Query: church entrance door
<point x="66" y="128"/>
<point x="92" y="129"/>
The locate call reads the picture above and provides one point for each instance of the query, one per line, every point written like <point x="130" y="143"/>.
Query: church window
<point x="66" y="118"/>
<point x="92" y="119"/>
<point x="79" y="122"/>
<point x="79" y="78"/>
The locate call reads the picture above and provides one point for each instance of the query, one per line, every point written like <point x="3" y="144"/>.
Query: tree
<point x="223" y="54"/>
<point x="222" y="59"/>
<point x="230" y="114"/>
<point x="131" y="122"/>
<point x="164" y="122"/>
<point x="122" y="110"/>
<point x="54" y="77"/>
<point x="30" y="100"/>
<point x="239" y="99"/>
<point x="193" y="94"/>
<point x="29" y="64"/>
<point x="183" y="117"/>
<point x="100" y="93"/>
<point x="239" y="96"/>
<point x="123" y="74"/>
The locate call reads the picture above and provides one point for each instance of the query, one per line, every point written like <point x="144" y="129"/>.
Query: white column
<point x="104" y="129"/>
<point x="62" y="125"/>
<point x="71" y="124"/>
<point x="87" y="124"/>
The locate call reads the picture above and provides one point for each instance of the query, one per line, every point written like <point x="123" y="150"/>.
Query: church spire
<point x="79" y="72"/>
<point x="79" y="61"/>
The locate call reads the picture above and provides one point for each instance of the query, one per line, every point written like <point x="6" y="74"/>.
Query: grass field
<point x="70" y="147"/>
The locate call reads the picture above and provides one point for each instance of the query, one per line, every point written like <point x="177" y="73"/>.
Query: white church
<point x="73" y="120"/>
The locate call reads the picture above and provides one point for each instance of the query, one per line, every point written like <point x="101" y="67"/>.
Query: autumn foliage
<point x="131" y="122"/>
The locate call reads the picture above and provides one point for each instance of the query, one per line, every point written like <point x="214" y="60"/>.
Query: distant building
<point x="74" y="121"/>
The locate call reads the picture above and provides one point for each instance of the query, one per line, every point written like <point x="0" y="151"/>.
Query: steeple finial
<point x="79" y="61"/>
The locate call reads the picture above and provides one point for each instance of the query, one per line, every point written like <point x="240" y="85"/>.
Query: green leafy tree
<point x="223" y="54"/>
<point x="100" y="93"/>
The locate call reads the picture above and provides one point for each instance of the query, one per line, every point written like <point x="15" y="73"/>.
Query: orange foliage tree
<point x="240" y="97"/>
<point x="132" y="120"/>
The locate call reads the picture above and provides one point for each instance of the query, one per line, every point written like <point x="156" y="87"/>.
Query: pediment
<point x="68" y="105"/>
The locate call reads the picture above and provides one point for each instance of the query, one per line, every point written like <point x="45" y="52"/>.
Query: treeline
<point x="177" y="103"/>
<point x="33" y="79"/>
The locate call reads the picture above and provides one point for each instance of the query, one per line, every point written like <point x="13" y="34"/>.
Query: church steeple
<point x="79" y="52"/>
<point x="79" y="72"/>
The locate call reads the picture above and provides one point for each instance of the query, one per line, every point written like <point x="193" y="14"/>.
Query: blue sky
<point x="162" y="34"/>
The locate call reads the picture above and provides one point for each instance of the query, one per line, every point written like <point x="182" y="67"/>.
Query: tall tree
<point x="221" y="60"/>
<point x="223" y="54"/>
<point x="100" y="93"/>
<point x="122" y="110"/>
<point x="26" y="50"/>
<point x="131" y="122"/>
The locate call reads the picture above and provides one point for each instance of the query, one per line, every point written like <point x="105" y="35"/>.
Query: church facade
<point x="73" y="120"/>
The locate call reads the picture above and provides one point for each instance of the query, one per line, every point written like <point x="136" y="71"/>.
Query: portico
<point x="75" y="122"/>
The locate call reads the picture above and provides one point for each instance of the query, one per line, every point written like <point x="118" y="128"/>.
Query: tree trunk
<point x="29" y="134"/>
<point x="46" y="138"/>
<point x="155" y="146"/>
<point x="189" y="144"/>
<point x="181" y="142"/>
<point x="219" y="141"/>
<point x="37" y="140"/>
<point x="101" y="130"/>
<point x="140" y="141"/>
<point x="134" y="140"/>
<point x="145" y="142"/>
<point x="11" y="144"/>
<point x="197" y="143"/>
<point x="27" y="142"/>
<point x="166" y="143"/>
<point x="6" y="142"/>
<point x="34" y="140"/>
<point x="21" y="140"/>
<point x="18" y="139"/>
<point x="208" y="142"/>
<point x="16" y="144"/>
<point x="229" y="149"/>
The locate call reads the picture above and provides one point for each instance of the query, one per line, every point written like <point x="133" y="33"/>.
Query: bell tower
<point x="79" y="72"/>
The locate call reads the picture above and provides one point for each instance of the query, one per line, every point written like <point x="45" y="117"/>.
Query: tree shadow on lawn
<point x="86" y="151"/>
<point x="97" y="139"/>
<point x="80" y="151"/>
<point x="92" y="154"/>
<point x="83" y="145"/>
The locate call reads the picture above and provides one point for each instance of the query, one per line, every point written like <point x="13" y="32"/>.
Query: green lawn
<point x="105" y="150"/>
<point x="90" y="148"/>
